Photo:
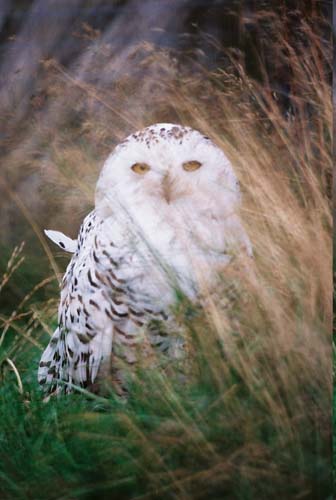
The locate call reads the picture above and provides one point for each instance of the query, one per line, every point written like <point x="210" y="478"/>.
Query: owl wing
<point x="61" y="240"/>
<point x="98" y="313"/>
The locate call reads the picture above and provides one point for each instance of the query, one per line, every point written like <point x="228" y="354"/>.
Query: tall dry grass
<point x="253" y="417"/>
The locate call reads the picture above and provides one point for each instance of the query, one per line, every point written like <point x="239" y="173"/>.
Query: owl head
<point x="177" y="190"/>
<point x="167" y="167"/>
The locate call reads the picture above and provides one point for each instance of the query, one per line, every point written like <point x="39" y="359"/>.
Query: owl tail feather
<point x="67" y="362"/>
<point x="53" y="361"/>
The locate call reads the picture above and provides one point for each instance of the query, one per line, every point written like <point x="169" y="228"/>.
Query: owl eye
<point x="140" y="168"/>
<point x="190" y="166"/>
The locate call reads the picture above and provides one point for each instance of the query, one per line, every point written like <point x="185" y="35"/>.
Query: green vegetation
<point x="208" y="438"/>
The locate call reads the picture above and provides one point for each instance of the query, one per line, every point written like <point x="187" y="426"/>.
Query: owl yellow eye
<point x="140" y="168"/>
<point x="190" y="166"/>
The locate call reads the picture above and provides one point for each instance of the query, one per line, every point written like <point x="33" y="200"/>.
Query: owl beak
<point x="167" y="188"/>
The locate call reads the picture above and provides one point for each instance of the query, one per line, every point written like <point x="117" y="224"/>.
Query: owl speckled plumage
<point x="165" y="217"/>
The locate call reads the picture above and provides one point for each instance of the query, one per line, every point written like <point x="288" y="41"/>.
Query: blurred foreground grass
<point x="253" y="417"/>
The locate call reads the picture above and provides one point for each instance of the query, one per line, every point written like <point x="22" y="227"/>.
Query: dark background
<point x="33" y="30"/>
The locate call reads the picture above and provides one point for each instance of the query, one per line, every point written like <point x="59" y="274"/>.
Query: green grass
<point x="205" y="438"/>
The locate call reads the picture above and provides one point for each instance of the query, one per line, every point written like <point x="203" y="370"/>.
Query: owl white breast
<point x="166" y="216"/>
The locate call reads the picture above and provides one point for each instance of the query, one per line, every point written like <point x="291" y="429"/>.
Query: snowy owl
<point x="165" y="219"/>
